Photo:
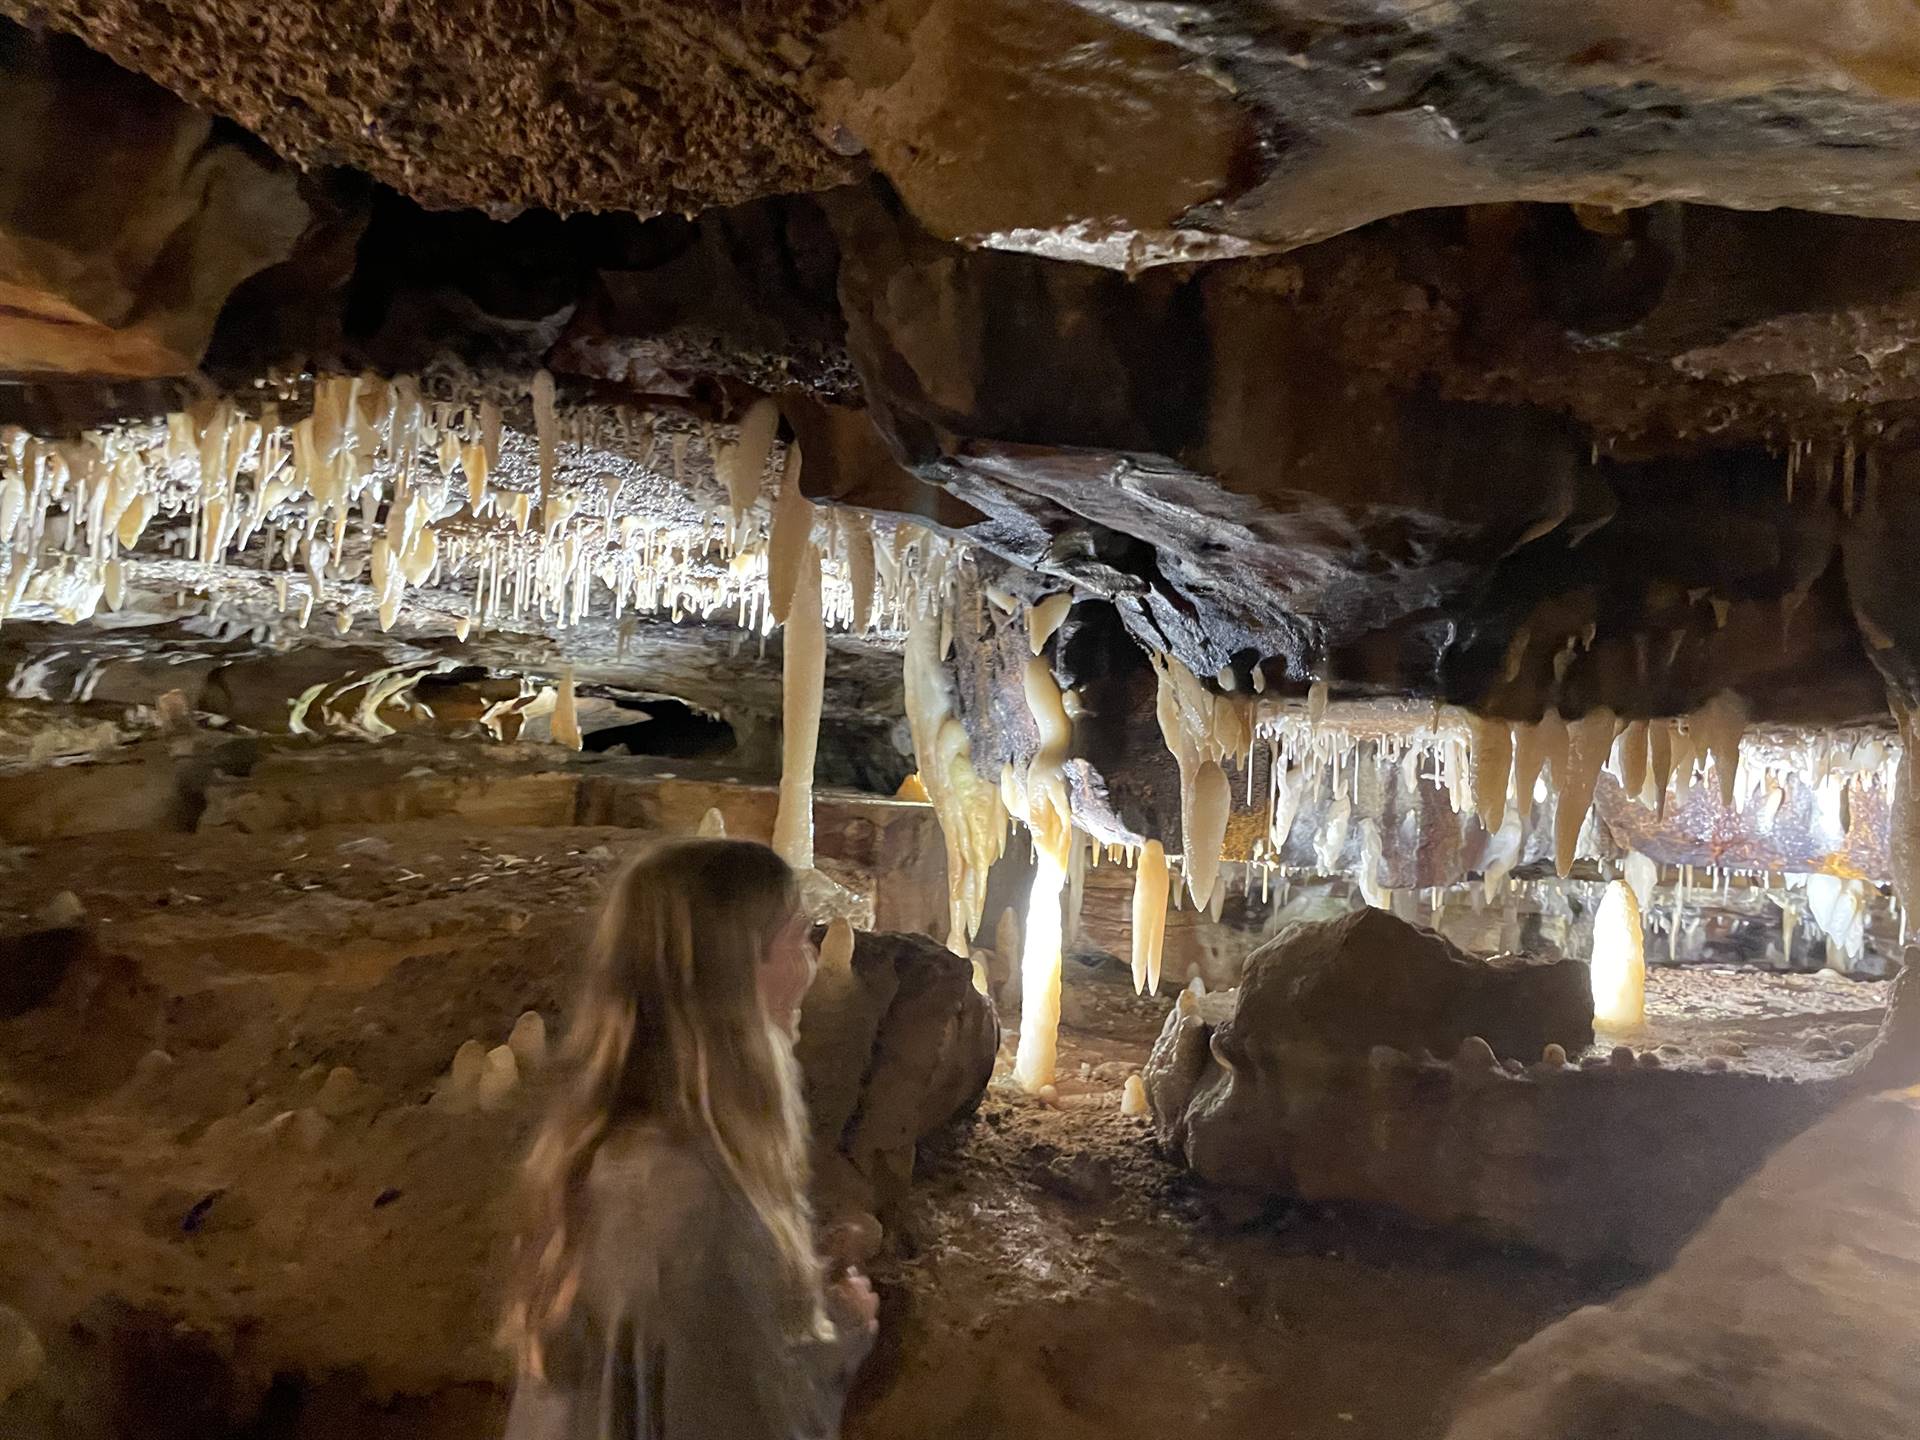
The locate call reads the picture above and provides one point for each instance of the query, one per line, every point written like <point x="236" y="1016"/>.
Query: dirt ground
<point x="214" y="1234"/>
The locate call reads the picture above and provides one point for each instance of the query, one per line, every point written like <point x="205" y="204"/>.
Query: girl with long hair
<point x="667" y="1284"/>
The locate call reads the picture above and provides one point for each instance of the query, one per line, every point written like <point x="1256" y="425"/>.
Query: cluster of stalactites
<point x="1498" y="770"/>
<point x="381" y="489"/>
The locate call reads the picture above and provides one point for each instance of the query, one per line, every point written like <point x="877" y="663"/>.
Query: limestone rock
<point x="1780" y="1318"/>
<point x="125" y="221"/>
<point x="1575" y="1162"/>
<point x="893" y="1047"/>
<point x="1369" y="978"/>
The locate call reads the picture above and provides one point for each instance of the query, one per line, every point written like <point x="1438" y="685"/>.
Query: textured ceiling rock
<point x="642" y="105"/>
<point x="1042" y="127"/>
<point x="1122" y="131"/>
<point x="1281" y="124"/>
<point x="1252" y="480"/>
<point x="125" y="220"/>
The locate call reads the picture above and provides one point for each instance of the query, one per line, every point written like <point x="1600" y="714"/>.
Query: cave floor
<point x="199" y="1265"/>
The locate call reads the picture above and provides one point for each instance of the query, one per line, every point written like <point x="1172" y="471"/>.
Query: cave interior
<point x="1314" y="591"/>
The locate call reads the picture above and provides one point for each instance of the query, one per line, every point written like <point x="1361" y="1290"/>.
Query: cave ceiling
<point x="1514" y="356"/>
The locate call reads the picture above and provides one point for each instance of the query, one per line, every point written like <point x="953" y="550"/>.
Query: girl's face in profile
<point x="787" y="974"/>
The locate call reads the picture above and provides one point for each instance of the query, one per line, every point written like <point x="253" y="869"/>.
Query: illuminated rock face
<point x="1699" y="1350"/>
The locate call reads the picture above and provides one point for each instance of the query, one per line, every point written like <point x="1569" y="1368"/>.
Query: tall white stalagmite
<point x="566" y="715"/>
<point x="1618" y="969"/>
<point x="802" y="683"/>
<point x="1051" y="823"/>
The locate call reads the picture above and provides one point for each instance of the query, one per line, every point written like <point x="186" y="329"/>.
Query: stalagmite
<point x="1372" y="859"/>
<point x="1839" y="908"/>
<point x="802" y="687"/>
<point x="1133" y="1098"/>
<point x="1051" y="823"/>
<point x="713" y="825"/>
<point x="836" y="948"/>
<point x="1618" y="969"/>
<point x="566" y="716"/>
<point x="1590" y="741"/>
<point x="1331" y="842"/>
<point x="1492" y="770"/>
<point x="1046" y="617"/>
<point x="1149" y="917"/>
<point x="529" y="1041"/>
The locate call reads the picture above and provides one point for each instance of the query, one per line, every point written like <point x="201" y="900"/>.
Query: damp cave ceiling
<point x="1400" y="432"/>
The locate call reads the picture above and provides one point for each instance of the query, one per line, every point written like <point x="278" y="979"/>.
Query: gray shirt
<point x="675" y="1334"/>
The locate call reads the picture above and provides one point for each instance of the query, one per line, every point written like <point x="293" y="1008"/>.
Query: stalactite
<point x="1590" y="741"/>
<point x="1149" y="917"/>
<point x="1045" y="618"/>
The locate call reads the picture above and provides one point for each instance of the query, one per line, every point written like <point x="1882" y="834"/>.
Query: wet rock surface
<point x="1787" y="1315"/>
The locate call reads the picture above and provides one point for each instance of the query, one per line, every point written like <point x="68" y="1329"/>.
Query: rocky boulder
<point x="894" y="1044"/>
<point x="1790" y="1314"/>
<point x="1368" y="978"/>
<point x="1309" y="1083"/>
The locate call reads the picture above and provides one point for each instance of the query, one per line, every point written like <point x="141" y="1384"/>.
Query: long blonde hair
<point x="668" y="1030"/>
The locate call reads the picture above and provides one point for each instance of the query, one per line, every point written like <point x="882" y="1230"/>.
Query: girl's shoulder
<point x="654" y="1179"/>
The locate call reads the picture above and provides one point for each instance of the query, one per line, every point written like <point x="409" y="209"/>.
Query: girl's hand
<point x="852" y="1303"/>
